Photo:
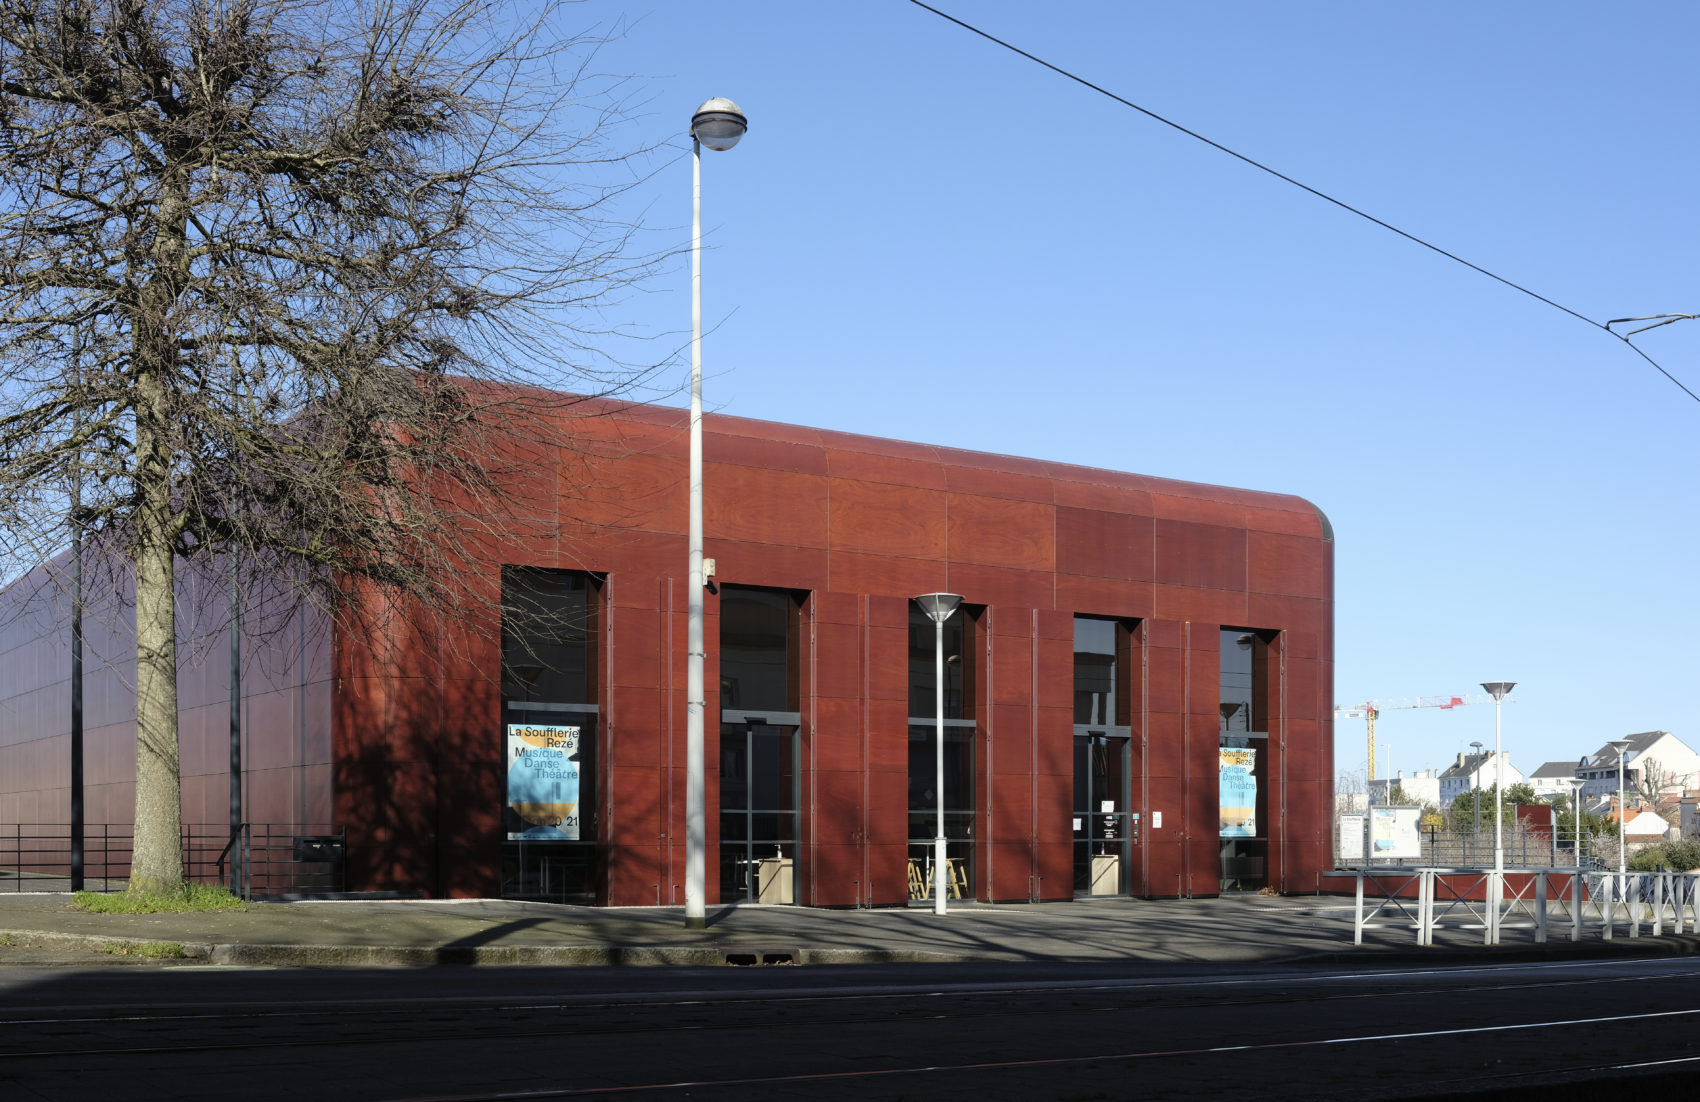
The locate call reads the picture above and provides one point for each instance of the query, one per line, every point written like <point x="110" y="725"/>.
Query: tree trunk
<point x="157" y="858"/>
<point x="157" y="862"/>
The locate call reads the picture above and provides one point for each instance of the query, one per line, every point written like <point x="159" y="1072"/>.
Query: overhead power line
<point x="1060" y="71"/>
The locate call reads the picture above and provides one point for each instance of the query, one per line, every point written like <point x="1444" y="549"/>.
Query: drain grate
<point x="754" y="960"/>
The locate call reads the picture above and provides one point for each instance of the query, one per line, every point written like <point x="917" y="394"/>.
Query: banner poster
<point x="1394" y="832"/>
<point x="1239" y="792"/>
<point x="542" y="782"/>
<point x="1351" y="839"/>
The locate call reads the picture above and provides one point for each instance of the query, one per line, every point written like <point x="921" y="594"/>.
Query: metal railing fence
<point x="259" y="859"/>
<point x="1523" y="848"/>
<point x="1544" y="900"/>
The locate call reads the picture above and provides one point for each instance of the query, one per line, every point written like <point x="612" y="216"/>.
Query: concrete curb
<point x="98" y="943"/>
<point x="561" y="956"/>
<point x="753" y="953"/>
<point x="538" y="956"/>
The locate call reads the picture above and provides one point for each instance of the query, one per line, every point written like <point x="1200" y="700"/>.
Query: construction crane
<point x="1369" y="709"/>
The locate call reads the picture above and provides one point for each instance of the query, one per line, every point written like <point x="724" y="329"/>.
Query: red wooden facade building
<point x="1139" y="688"/>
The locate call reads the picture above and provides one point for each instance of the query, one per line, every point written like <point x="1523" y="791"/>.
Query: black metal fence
<point x="1523" y="849"/>
<point x="259" y="860"/>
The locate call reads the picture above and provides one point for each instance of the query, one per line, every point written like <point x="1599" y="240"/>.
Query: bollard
<point x="1541" y="907"/>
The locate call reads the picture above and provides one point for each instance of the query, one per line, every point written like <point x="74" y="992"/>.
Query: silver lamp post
<point x="717" y="124"/>
<point x="1476" y="772"/>
<point x="1621" y="745"/>
<point x="1497" y="690"/>
<point x="939" y="607"/>
<point x="1576" y="784"/>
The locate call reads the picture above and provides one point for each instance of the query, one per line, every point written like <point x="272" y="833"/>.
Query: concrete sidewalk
<point x="43" y="929"/>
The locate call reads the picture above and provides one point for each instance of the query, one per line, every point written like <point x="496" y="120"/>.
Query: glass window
<point x="1101" y="654"/>
<point x="549" y="727"/>
<point x="958" y="773"/>
<point x="959" y="749"/>
<point x="759" y="754"/>
<point x="1238" y="713"/>
<point x="1243" y="761"/>
<point x="548" y="635"/>
<point x="958" y="665"/>
<point x="758" y="637"/>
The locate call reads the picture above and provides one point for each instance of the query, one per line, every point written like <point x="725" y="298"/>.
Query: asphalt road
<point x="1547" y="1030"/>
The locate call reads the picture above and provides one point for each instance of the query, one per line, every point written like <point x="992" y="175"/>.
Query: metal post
<point x="1498" y="794"/>
<point x="940" y="868"/>
<point x="1358" y="913"/>
<point x="1425" y="907"/>
<point x="720" y="124"/>
<point x="1476" y="793"/>
<point x="235" y="714"/>
<point x="77" y="807"/>
<point x="1541" y="907"/>
<point x="1496" y="882"/>
<point x="696" y="837"/>
<point x="1622" y="814"/>
<point x="1576" y="904"/>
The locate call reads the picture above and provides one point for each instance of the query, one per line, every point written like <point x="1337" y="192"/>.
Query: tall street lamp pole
<point x="1497" y="690"/>
<point x="1621" y="745"/>
<point x="717" y="124"/>
<point x="78" y="824"/>
<point x="1476" y="774"/>
<point x="939" y="607"/>
<point x="1576" y="784"/>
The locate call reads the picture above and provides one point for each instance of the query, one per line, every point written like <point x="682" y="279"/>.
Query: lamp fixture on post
<point x="1476" y="774"/>
<point x="1497" y="690"/>
<point x="939" y="607"/>
<point x="717" y="124"/>
<point x="1621" y="745"/>
<point x="1575" y="785"/>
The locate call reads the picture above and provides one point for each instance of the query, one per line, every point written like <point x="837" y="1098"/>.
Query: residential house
<point x="1421" y="787"/>
<point x="1678" y="766"/>
<point x="1473" y="771"/>
<point x="1553" y="779"/>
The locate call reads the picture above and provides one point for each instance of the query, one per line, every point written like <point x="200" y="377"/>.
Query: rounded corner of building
<point x="1322" y="517"/>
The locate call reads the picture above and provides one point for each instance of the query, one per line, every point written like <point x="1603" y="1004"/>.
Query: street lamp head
<point x="719" y="124"/>
<point x="1498" y="689"/>
<point x="1621" y="745"/>
<point x="939" y="606"/>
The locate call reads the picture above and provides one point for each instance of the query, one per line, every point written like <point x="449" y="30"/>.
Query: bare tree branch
<point x="295" y="279"/>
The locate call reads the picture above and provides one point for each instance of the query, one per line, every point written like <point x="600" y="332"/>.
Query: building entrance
<point x="759" y="797"/>
<point x="1104" y="829"/>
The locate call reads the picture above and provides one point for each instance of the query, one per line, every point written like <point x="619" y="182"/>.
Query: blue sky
<point x="927" y="237"/>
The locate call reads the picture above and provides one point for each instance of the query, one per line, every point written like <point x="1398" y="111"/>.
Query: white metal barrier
<point x="1539" y="899"/>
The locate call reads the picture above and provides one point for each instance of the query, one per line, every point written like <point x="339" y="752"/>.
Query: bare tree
<point x="1349" y="791"/>
<point x="1659" y="787"/>
<point x="269" y="273"/>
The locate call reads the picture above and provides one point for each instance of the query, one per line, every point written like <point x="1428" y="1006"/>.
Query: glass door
<point x="958" y="804"/>
<point x="1103" y="826"/>
<point x="759" y="797"/>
